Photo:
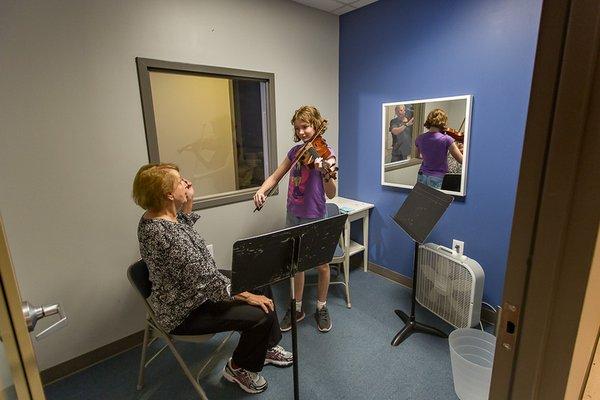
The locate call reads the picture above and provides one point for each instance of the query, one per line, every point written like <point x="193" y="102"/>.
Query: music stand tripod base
<point x="411" y="326"/>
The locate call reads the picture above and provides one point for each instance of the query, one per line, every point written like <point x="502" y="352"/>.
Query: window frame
<point x="147" y="65"/>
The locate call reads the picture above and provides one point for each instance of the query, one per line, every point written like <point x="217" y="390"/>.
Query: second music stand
<point x="417" y="216"/>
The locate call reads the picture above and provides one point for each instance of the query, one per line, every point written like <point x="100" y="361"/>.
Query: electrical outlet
<point x="458" y="246"/>
<point x="211" y="250"/>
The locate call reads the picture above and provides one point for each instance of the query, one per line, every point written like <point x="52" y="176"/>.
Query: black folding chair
<point x="140" y="279"/>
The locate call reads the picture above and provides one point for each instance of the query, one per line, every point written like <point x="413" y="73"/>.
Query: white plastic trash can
<point x="472" y="357"/>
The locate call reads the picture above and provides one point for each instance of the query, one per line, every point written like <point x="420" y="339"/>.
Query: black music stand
<point x="272" y="257"/>
<point x="417" y="216"/>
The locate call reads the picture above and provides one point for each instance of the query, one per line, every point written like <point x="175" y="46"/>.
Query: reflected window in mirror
<point x="217" y="124"/>
<point x="403" y="122"/>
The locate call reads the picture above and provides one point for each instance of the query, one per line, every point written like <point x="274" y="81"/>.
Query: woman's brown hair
<point x="152" y="183"/>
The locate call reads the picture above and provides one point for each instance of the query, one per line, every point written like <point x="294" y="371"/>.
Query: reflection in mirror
<point x="216" y="124"/>
<point x="426" y="140"/>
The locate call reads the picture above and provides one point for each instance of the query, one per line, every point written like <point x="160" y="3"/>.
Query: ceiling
<point x="337" y="7"/>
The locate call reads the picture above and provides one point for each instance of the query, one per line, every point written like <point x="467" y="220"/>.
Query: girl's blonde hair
<point x="152" y="183"/>
<point x="437" y="118"/>
<point x="311" y="116"/>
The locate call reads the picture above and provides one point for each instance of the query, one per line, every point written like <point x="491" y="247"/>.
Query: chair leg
<point x="140" y="382"/>
<point x="347" y="285"/>
<point x="186" y="370"/>
<point x="212" y="356"/>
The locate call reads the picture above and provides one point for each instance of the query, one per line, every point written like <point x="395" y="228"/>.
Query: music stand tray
<point x="270" y="258"/>
<point x="417" y="216"/>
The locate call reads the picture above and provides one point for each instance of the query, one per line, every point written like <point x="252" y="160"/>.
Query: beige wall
<point x="72" y="137"/>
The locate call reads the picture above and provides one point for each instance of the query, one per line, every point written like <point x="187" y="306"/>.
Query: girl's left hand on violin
<point x="327" y="167"/>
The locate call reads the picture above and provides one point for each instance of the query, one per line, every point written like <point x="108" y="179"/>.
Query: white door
<point x="19" y="373"/>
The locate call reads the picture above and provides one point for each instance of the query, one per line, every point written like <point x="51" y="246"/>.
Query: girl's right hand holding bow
<point x="259" y="199"/>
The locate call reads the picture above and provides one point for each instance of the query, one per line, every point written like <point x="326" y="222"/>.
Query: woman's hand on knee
<point x="260" y="301"/>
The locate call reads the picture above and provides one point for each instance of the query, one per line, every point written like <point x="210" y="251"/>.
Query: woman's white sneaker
<point x="279" y="357"/>
<point x="250" y="382"/>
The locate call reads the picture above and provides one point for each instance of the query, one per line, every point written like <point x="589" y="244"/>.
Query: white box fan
<point x="450" y="285"/>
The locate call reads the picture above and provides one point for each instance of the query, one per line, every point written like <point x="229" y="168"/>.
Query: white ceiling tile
<point x="337" y="7"/>
<point x="325" y="5"/>
<point x="361" y="3"/>
<point x="343" y="10"/>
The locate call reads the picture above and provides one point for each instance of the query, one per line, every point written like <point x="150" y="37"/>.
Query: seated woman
<point x="189" y="295"/>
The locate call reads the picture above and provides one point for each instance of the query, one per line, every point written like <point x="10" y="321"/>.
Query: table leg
<point x="346" y="247"/>
<point x="347" y="282"/>
<point x="366" y="241"/>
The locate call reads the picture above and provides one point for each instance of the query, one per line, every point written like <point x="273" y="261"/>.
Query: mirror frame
<point x="467" y="131"/>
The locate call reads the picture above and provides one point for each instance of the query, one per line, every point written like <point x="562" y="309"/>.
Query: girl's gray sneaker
<point x="286" y="322"/>
<point x="323" y="320"/>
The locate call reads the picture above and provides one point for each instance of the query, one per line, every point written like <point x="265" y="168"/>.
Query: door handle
<point x="34" y="313"/>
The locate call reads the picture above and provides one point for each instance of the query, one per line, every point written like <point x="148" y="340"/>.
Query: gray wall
<point x="72" y="137"/>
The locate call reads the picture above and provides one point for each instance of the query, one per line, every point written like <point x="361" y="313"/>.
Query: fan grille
<point x="444" y="287"/>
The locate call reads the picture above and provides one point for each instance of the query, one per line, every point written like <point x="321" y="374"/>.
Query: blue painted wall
<point x="403" y="50"/>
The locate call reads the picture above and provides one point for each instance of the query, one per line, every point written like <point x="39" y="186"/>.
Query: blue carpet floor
<point x="353" y="361"/>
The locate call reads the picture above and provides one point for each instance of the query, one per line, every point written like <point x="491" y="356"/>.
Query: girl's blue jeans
<point x="429" y="180"/>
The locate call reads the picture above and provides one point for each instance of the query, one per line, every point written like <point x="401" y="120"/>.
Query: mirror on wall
<point x="412" y="151"/>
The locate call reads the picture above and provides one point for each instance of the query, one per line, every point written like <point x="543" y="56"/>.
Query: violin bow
<point x="461" y="125"/>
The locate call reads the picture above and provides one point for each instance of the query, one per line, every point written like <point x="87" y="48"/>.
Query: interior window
<point x="217" y="124"/>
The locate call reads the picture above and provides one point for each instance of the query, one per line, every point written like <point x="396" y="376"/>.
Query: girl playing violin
<point x="308" y="186"/>
<point x="433" y="146"/>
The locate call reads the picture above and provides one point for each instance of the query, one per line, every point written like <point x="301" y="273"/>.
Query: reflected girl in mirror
<point x="433" y="147"/>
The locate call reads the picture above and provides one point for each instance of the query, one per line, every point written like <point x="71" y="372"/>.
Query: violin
<point x="457" y="135"/>
<point x="319" y="149"/>
<point x="315" y="148"/>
